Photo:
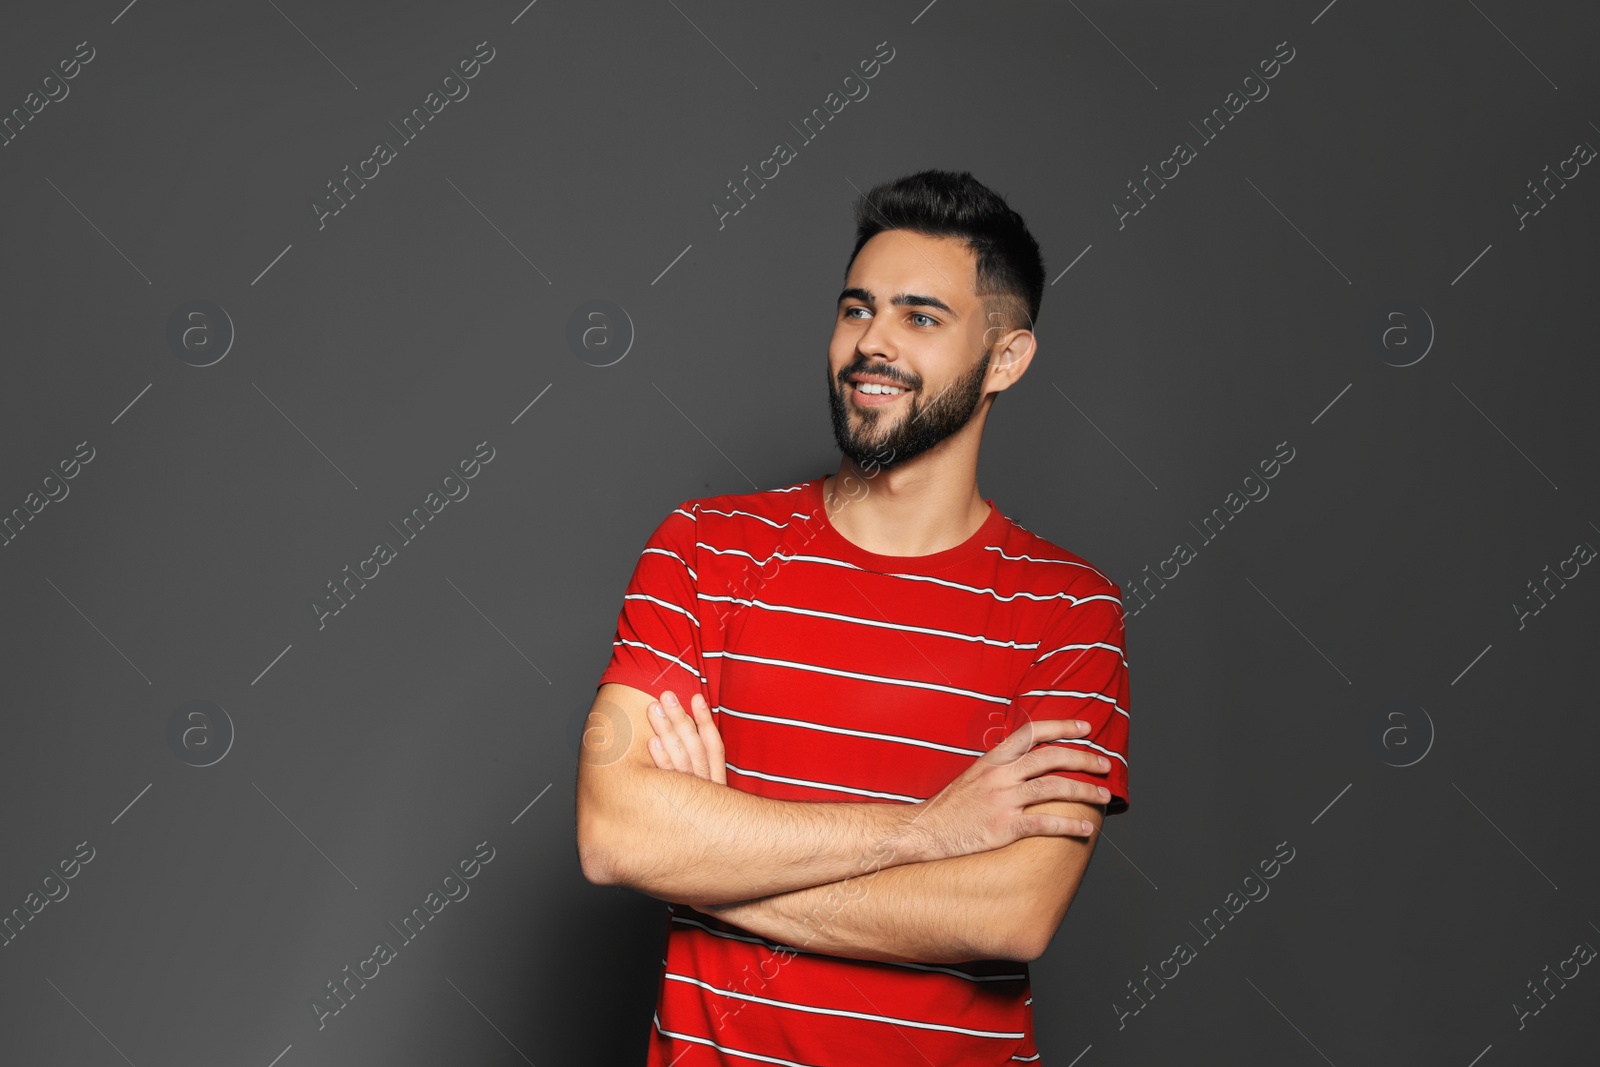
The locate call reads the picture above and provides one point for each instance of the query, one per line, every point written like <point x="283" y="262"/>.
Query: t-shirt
<point x="838" y="674"/>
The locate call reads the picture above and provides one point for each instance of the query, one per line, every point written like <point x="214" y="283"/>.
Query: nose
<point x="874" y="341"/>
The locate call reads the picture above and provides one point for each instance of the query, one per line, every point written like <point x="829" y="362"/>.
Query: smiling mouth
<point x="874" y="394"/>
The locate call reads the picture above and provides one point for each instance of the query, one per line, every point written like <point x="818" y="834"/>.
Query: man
<point x="890" y="719"/>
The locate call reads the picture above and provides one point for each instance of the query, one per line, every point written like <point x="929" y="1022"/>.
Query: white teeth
<point x="874" y="388"/>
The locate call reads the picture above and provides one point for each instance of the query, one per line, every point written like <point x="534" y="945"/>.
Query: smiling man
<point x="890" y="719"/>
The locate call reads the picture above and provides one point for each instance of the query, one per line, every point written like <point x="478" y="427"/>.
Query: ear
<point x="1011" y="351"/>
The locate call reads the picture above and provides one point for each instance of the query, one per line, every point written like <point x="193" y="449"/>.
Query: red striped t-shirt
<point x="838" y="674"/>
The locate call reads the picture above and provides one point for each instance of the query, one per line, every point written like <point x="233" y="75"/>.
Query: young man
<point x="890" y="719"/>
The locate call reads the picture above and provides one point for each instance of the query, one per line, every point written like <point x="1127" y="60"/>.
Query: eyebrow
<point x="899" y="300"/>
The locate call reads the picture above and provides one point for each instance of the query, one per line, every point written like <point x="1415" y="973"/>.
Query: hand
<point x="985" y="806"/>
<point x="692" y="746"/>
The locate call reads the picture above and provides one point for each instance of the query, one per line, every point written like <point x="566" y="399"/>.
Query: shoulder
<point x="1047" y="565"/>
<point x="772" y="508"/>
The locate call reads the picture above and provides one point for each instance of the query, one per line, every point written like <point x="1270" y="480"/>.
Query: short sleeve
<point x="1081" y="672"/>
<point x="656" y="645"/>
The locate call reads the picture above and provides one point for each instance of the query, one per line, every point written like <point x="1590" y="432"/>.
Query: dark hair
<point x="942" y="203"/>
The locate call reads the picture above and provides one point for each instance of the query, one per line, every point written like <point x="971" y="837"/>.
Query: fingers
<point x="1056" y="787"/>
<point x="1043" y="824"/>
<point x="1050" y="757"/>
<point x="664" y="716"/>
<point x="1017" y="743"/>
<point x="1037" y="730"/>
<point x="1037" y="764"/>
<point x="1022" y="741"/>
<point x="689" y="731"/>
<point x="690" y="745"/>
<point x="710" y="738"/>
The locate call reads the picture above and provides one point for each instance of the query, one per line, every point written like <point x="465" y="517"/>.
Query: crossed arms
<point x="985" y="869"/>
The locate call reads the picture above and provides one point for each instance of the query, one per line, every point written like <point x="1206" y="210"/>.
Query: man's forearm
<point x="939" y="911"/>
<point x="682" y="838"/>
<point x="1005" y="903"/>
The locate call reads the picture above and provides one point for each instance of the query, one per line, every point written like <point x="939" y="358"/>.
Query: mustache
<point x="863" y="367"/>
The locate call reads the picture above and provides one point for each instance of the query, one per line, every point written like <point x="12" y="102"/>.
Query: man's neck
<point x="930" y="505"/>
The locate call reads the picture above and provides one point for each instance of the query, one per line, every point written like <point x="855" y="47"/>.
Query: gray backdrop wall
<point x="225" y="382"/>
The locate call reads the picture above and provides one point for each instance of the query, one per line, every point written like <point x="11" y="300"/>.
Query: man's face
<point x="910" y="317"/>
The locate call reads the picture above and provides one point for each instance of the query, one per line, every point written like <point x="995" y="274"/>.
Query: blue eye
<point x="849" y="313"/>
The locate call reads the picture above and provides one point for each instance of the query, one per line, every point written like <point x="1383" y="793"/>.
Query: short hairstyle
<point x="942" y="203"/>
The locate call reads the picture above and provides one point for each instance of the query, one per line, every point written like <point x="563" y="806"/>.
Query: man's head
<point x="941" y="294"/>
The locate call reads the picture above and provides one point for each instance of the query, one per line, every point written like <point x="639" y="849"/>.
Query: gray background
<point x="1358" y="618"/>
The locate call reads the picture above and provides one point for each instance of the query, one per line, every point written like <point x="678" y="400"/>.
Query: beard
<point x="914" y="431"/>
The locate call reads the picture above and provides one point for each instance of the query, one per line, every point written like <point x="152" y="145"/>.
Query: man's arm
<point x="681" y="837"/>
<point x="1003" y="904"/>
<point x="684" y="838"/>
<point x="675" y="836"/>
